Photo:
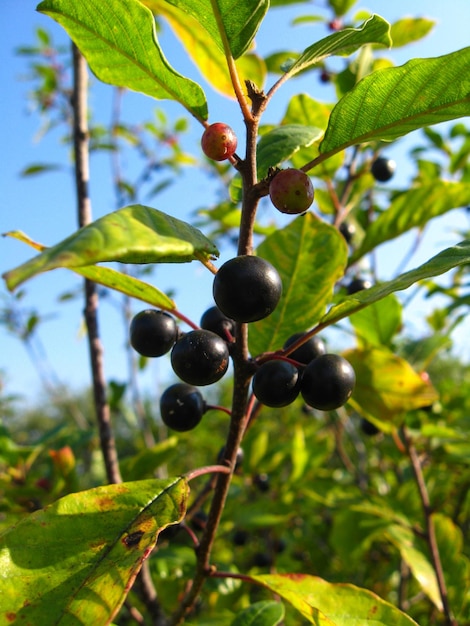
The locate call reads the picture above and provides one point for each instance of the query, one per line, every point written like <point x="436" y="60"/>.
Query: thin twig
<point x="81" y="152"/>
<point x="430" y="530"/>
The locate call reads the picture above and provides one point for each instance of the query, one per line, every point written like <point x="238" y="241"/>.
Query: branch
<point x="81" y="152"/>
<point x="430" y="530"/>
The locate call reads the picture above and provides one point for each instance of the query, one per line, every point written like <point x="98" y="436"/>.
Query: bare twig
<point x="80" y="142"/>
<point x="430" y="530"/>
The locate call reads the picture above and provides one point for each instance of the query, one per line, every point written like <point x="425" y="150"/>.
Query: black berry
<point x="348" y="230"/>
<point x="213" y="319"/>
<point x="200" y="357"/>
<point x="153" y="332"/>
<point x="182" y="407"/>
<point x="327" y="382"/>
<point x="247" y="288"/>
<point x="308" y="351"/>
<point x="383" y="169"/>
<point x="291" y="191"/>
<point x="262" y="482"/>
<point x="218" y="141"/>
<point x="276" y="383"/>
<point x="358" y="284"/>
<point x="368" y="428"/>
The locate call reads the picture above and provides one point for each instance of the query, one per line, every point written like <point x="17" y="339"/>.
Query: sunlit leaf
<point x="39" y="168"/>
<point x="439" y="264"/>
<point x="346" y="41"/>
<point x="282" y="142"/>
<point x="236" y="23"/>
<point x="310" y="257"/>
<point x="74" y="561"/>
<point x="328" y="604"/>
<point x="421" y="568"/>
<point x="340" y="7"/>
<point x="119" y="41"/>
<point x="135" y="234"/>
<point x="414" y="209"/>
<point x="386" y="386"/>
<point x="377" y="324"/>
<point x="205" y="52"/>
<point x="392" y="102"/>
<point x="409" y="29"/>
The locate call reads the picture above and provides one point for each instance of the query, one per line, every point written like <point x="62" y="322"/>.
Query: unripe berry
<point x="291" y="191"/>
<point x="247" y="288"/>
<point x="153" y="332"/>
<point x="219" y="142"/>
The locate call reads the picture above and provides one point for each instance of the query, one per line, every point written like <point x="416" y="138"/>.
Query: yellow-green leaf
<point x="74" y="561"/>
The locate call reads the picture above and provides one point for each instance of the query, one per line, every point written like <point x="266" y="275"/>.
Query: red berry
<point x="291" y="191"/>
<point x="219" y="142"/>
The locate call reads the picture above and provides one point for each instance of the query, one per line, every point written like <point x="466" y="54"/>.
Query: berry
<point x="240" y="537"/>
<point x="383" y="169"/>
<point x="335" y="24"/>
<point x="327" y="382"/>
<point x="182" y="407"/>
<point x="368" y="428"/>
<point x="238" y="459"/>
<point x="153" y="332"/>
<point x="199" y="520"/>
<point x="200" y="357"/>
<point x="276" y="383"/>
<point x="262" y="482"/>
<point x="325" y="76"/>
<point x="219" y="142"/>
<point x="308" y="351"/>
<point x="213" y="319"/>
<point x="348" y="231"/>
<point x="291" y="191"/>
<point x="247" y="288"/>
<point x="358" y="284"/>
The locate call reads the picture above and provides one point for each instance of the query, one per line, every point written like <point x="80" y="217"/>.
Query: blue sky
<point x="44" y="206"/>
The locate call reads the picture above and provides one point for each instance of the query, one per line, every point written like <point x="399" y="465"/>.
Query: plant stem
<point x="81" y="152"/>
<point x="107" y="441"/>
<point x="430" y="530"/>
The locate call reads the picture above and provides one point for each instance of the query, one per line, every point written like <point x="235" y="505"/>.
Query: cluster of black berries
<point x="245" y="289"/>
<point x="325" y="381"/>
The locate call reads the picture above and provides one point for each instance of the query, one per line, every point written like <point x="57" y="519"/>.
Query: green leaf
<point x="265" y="613"/>
<point x="403" y="539"/>
<point x="119" y="41"/>
<point x="409" y="29"/>
<point x="413" y="209"/>
<point x="377" y="324"/>
<point x="310" y="257"/>
<point x="144" y="463"/>
<point x="327" y="604"/>
<point x="204" y="51"/>
<point x="392" y="102"/>
<point x="386" y="386"/>
<point x="439" y="264"/>
<point x="236" y="23"/>
<point x="74" y="561"/>
<point x="39" y="168"/>
<point x="455" y="563"/>
<point x="134" y="234"/>
<point x="346" y="41"/>
<point x="340" y="7"/>
<point x="280" y="144"/>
